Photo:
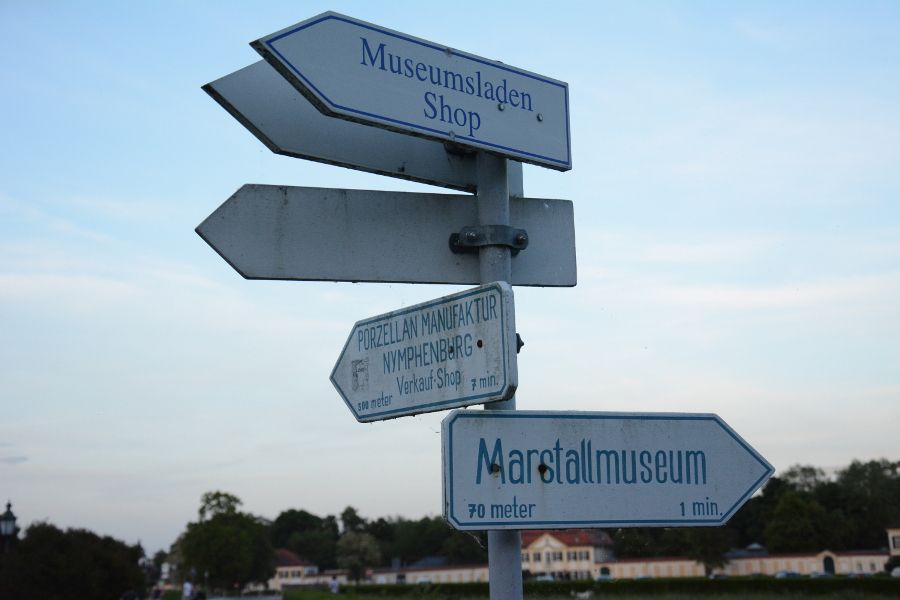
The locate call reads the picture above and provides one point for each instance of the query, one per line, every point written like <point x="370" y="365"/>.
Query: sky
<point x="736" y="184"/>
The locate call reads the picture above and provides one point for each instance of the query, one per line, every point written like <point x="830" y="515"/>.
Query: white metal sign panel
<point x="366" y="73"/>
<point x="536" y="469"/>
<point x="321" y="234"/>
<point x="454" y="351"/>
<point x="282" y="119"/>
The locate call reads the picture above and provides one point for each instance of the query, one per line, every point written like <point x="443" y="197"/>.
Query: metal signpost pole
<point x="504" y="547"/>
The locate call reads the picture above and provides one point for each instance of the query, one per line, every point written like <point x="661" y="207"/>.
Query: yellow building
<point x="893" y="534"/>
<point x="568" y="554"/>
<point x="859" y="562"/>
<point x="588" y="554"/>
<point x="424" y="575"/>
<point x="291" y="571"/>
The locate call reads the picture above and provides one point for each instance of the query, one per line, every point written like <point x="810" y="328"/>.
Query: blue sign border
<point x="768" y="469"/>
<point x="432" y="406"/>
<point x="270" y="44"/>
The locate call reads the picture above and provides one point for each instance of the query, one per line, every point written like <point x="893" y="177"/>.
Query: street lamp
<point x="8" y="528"/>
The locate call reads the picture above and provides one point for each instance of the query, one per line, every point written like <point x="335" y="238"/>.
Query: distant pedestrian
<point x="187" y="590"/>
<point x="334" y="586"/>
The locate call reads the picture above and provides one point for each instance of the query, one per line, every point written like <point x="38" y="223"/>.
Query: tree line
<point x="226" y="548"/>
<point x="802" y="510"/>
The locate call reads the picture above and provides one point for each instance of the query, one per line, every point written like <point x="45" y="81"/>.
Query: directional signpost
<point x="416" y="110"/>
<point x="454" y="351"/>
<point x="366" y="73"/>
<point x="535" y="469"/>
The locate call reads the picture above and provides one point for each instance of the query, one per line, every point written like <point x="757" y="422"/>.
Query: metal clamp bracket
<point x="470" y="239"/>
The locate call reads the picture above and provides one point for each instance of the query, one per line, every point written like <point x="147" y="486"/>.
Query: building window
<point x="570" y="555"/>
<point x="525" y="557"/>
<point x="895" y="542"/>
<point x="536" y="556"/>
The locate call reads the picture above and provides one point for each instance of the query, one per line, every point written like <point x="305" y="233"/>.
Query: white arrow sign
<point x="366" y="73"/>
<point x="282" y="119"/>
<point x="536" y="469"/>
<point x="320" y="234"/>
<point x="454" y="351"/>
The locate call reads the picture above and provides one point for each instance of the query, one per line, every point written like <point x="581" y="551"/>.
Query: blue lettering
<point x="646" y="471"/>
<point x="429" y="100"/>
<point x="367" y="51"/>
<point x="496" y="458"/>
<point x="660" y="467"/>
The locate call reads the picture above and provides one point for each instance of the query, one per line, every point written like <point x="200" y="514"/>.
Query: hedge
<point x="625" y="587"/>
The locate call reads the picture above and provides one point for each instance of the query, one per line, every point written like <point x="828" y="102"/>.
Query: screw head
<point x="471" y="236"/>
<point x="501" y="106"/>
<point x="540" y="117"/>
<point x="522" y="239"/>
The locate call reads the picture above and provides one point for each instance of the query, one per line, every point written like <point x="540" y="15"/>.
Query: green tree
<point x="317" y="546"/>
<point x="291" y="521"/>
<point x="708" y="545"/>
<point x="869" y="496"/>
<point x="356" y="552"/>
<point x="749" y="522"/>
<point x="351" y="520"/>
<point x="50" y="563"/>
<point x="804" y="478"/>
<point x="797" y="524"/>
<point x="649" y="541"/>
<point x="218" y="503"/>
<point x="464" y="547"/>
<point x="226" y="548"/>
<point x="309" y="536"/>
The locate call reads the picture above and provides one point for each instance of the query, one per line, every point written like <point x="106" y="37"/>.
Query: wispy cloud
<point x="64" y="289"/>
<point x="706" y="252"/>
<point x="131" y="209"/>
<point x="838" y="291"/>
<point x="11" y="208"/>
<point x="13" y="460"/>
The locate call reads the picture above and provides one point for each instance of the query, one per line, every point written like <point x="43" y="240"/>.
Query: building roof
<point x="570" y="537"/>
<point x="286" y="558"/>
<point x="861" y="552"/>
<point x="430" y="562"/>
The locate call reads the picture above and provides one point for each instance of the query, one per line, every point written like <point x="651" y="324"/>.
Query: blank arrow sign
<point x="282" y="119"/>
<point x="319" y="234"/>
